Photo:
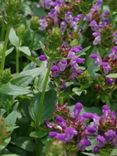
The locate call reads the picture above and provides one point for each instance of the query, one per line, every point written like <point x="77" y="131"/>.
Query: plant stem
<point x="4" y="49"/>
<point x="3" y="30"/>
<point x="17" y="60"/>
<point x="41" y="101"/>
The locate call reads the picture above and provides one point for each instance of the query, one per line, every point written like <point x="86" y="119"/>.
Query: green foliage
<point x="29" y="92"/>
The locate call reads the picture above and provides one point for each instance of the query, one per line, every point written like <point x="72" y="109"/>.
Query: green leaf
<point x="10" y="120"/>
<point x="77" y="91"/>
<point x="114" y="152"/>
<point x="91" y="154"/>
<point x="4" y="144"/>
<point x="9" y="51"/>
<point x="24" y="143"/>
<point x="113" y="75"/>
<point x="26" y="77"/>
<point x="38" y="134"/>
<point x="10" y="89"/>
<point x="14" y="38"/>
<point x="49" y="105"/>
<point x="25" y="50"/>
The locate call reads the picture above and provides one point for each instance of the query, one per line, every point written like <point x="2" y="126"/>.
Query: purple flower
<point x="70" y="133"/>
<point x="68" y="17"/>
<point x="110" y="81"/>
<point x="110" y="135"/>
<point x="60" y="121"/>
<point x="53" y="134"/>
<point x="114" y="141"/>
<point x="99" y="2"/>
<point x="101" y="140"/>
<point x="63" y="26"/>
<point x="53" y="15"/>
<point x="61" y="137"/>
<point x="46" y="3"/>
<point x="66" y="136"/>
<point x="88" y="116"/>
<point x="97" y="40"/>
<point x="115" y="38"/>
<point x="106" y="67"/>
<point x="113" y="54"/>
<point x="62" y="65"/>
<point x="94" y="26"/>
<point x="106" y="13"/>
<point x="79" y="60"/>
<point x="43" y="24"/>
<point x="96" y="34"/>
<point x="106" y="110"/>
<point x="83" y="144"/>
<point x="42" y="57"/>
<point x="77" y="109"/>
<point x="76" y="49"/>
<point x="55" y="70"/>
<point x="96" y="149"/>
<point x="91" y="130"/>
<point x="97" y="58"/>
<point x="74" y="25"/>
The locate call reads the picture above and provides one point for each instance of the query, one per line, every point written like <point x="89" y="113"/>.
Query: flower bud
<point x="34" y="23"/>
<point x="21" y="30"/>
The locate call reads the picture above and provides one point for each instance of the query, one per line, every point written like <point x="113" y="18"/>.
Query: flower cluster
<point x="107" y="130"/>
<point x="71" y="127"/>
<point x="69" y="18"/>
<point x="107" y="63"/>
<point x="71" y="63"/>
<point x="100" y="24"/>
<point x="78" y="128"/>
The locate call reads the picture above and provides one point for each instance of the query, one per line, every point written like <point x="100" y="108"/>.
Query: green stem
<point x="4" y="49"/>
<point x="41" y="101"/>
<point x="17" y="60"/>
<point x="33" y="39"/>
<point x="3" y="30"/>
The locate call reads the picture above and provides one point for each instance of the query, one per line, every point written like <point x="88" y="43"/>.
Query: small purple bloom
<point x="97" y="40"/>
<point x="91" y="130"/>
<point x="88" y="116"/>
<point x="62" y="65"/>
<point x="106" y="110"/>
<point x="55" y="68"/>
<point x="110" y="135"/>
<point x="96" y="149"/>
<point x="101" y="140"/>
<point x="113" y="54"/>
<point x="52" y="134"/>
<point x="63" y="26"/>
<point x="79" y="60"/>
<point x="61" y="137"/>
<point x="60" y="121"/>
<point x="106" y="67"/>
<point x="76" y="49"/>
<point x="68" y="17"/>
<point x="43" y="24"/>
<point x="70" y="133"/>
<point x="77" y="109"/>
<point x="97" y="58"/>
<point x="83" y="144"/>
<point x="42" y="57"/>
<point x="110" y="81"/>
<point x="94" y="26"/>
